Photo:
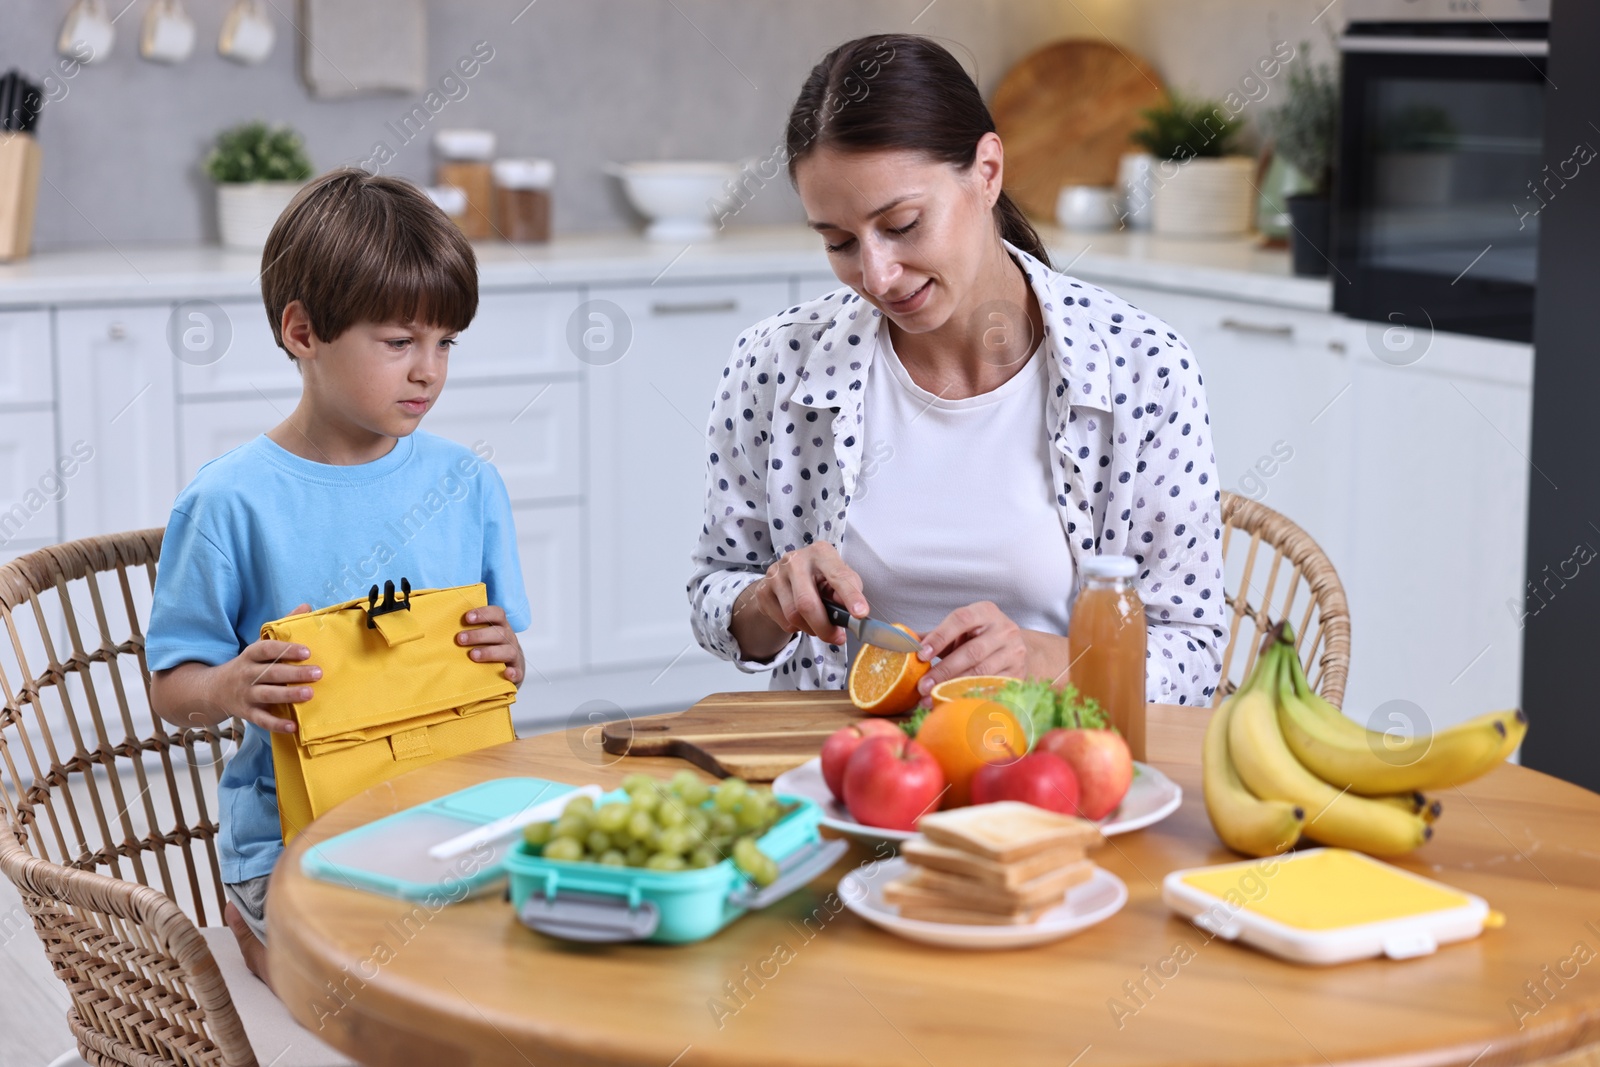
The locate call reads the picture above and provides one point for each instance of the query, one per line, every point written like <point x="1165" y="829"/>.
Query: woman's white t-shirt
<point x="954" y="502"/>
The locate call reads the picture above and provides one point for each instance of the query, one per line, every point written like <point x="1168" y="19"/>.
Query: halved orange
<point x="884" y="682"/>
<point x="983" y="685"/>
<point x="965" y="733"/>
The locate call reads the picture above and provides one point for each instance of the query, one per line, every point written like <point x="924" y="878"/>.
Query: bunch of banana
<point x="1279" y="762"/>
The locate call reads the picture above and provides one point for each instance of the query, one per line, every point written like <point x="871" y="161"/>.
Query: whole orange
<point x="964" y="734"/>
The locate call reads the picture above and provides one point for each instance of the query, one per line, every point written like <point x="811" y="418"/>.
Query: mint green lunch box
<point x="585" y="901"/>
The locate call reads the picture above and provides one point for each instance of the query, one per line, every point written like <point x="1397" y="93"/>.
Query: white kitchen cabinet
<point x="1277" y="384"/>
<point x="208" y="429"/>
<point x="517" y="332"/>
<point x="531" y="425"/>
<point x="1411" y="476"/>
<point x="32" y="482"/>
<point x="117" y="379"/>
<point x="251" y="365"/>
<point x="25" y="358"/>
<point x="647" y="416"/>
<point x="550" y="548"/>
<point x="810" y="286"/>
<point x="1438" y="529"/>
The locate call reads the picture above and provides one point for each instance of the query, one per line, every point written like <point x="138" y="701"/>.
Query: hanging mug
<point x="247" y="33"/>
<point x="168" y="32"/>
<point x="87" y="32"/>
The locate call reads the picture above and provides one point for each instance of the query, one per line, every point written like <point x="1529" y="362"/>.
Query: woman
<point x="944" y="439"/>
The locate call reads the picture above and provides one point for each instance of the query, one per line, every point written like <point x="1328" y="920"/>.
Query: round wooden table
<point x="807" y="982"/>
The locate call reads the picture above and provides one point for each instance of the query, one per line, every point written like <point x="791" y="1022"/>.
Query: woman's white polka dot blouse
<point x="1131" y="439"/>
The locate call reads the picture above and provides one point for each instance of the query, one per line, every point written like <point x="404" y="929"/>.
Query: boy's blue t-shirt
<point x="260" y="531"/>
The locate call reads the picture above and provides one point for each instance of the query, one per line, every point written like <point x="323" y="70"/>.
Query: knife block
<point x="19" y="193"/>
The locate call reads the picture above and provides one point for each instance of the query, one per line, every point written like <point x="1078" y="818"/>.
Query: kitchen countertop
<point x="1233" y="268"/>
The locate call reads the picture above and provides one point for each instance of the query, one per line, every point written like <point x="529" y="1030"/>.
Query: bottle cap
<point x="1109" y="567"/>
<point x="524" y="173"/>
<point x="464" y="144"/>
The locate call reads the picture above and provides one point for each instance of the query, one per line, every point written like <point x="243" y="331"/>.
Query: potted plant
<point x="1198" y="189"/>
<point x="258" y="169"/>
<point x="1303" y="129"/>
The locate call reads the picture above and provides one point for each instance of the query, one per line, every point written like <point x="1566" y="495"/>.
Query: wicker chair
<point x="1298" y="584"/>
<point x="108" y="825"/>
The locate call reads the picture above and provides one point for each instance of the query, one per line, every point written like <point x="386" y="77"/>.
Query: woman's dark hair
<point x="898" y="90"/>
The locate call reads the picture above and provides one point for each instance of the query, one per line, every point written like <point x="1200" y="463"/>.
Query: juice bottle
<point x="1106" y="644"/>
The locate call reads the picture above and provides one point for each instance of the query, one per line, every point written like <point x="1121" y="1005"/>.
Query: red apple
<point x="842" y="743"/>
<point x="891" y="782"/>
<point x="1039" y="779"/>
<point x="1102" y="763"/>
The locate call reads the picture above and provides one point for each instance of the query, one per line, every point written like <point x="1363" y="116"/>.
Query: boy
<point x="366" y="285"/>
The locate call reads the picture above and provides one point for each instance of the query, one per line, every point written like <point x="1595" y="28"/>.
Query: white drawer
<point x="25" y="358"/>
<point x="518" y="332"/>
<point x="253" y="362"/>
<point x="532" y="428"/>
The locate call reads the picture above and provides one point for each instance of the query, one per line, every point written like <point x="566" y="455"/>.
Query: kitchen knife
<point x="871" y="631"/>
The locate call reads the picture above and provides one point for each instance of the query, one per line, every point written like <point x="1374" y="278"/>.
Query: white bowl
<point x="682" y="200"/>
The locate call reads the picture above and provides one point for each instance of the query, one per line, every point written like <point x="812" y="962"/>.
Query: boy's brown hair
<point x="354" y="247"/>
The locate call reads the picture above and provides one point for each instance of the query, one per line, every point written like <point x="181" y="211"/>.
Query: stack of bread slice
<point x="992" y="864"/>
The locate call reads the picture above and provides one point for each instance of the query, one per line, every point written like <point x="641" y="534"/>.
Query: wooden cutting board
<point x="1065" y="114"/>
<point x="755" y="736"/>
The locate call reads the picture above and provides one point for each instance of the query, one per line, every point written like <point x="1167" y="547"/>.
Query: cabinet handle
<point x="703" y="307"/>
<point x="1262" y="328"/>
<point x="117" y="332"/>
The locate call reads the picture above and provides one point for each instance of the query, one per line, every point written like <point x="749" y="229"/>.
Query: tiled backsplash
<point x="581" y="81"/>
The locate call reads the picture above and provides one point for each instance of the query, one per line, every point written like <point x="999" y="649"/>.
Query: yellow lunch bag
<point x="396" y="692"/>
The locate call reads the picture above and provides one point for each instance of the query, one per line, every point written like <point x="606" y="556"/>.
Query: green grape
<point x="611" y="817"/>
<point x="671" y="813"/>
<point x="573" y="826"/>
<point x="693" y="791"/>
<point x="637" y="854"/>
<point x="752" y="815"/>
<point x="582" y="804"/>
<point x="699" y="821"/>
<point x="723" y="824"/>
<point x="645" y="800"/>
<point x="635" y="782"/>
<point x="537" y="833"/>
<point x="563" y="848"/>
<point x="755" y="863"/>
<point x="674" y="841"/>
<point x="665" y="861"/>
<point x="613" y="858"/>
<point x="729" y="793"/>
<point x="597" y="842"/>
<point x="640" y="825"/>
<point x="704" y="856"/>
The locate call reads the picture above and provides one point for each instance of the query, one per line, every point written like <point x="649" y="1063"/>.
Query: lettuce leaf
<point x="1075" y="711"/>
<point x="1033" y="702"/>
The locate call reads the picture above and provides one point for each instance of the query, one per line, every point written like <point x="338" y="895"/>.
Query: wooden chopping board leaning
<point x="1065" y="113"/>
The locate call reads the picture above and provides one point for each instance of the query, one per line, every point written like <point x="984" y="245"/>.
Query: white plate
<point x="1094" y="901"/>
<point x="1152" y="797"/>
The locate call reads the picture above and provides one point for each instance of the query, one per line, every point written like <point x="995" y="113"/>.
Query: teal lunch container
<point x="585" y="901"/>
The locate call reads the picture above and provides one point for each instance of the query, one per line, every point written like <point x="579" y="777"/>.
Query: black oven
<point x="1441" y="180"/>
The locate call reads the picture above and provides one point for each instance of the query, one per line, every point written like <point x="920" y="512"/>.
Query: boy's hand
<point x="265" y="674"/>
<point x="493" y="641"/>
